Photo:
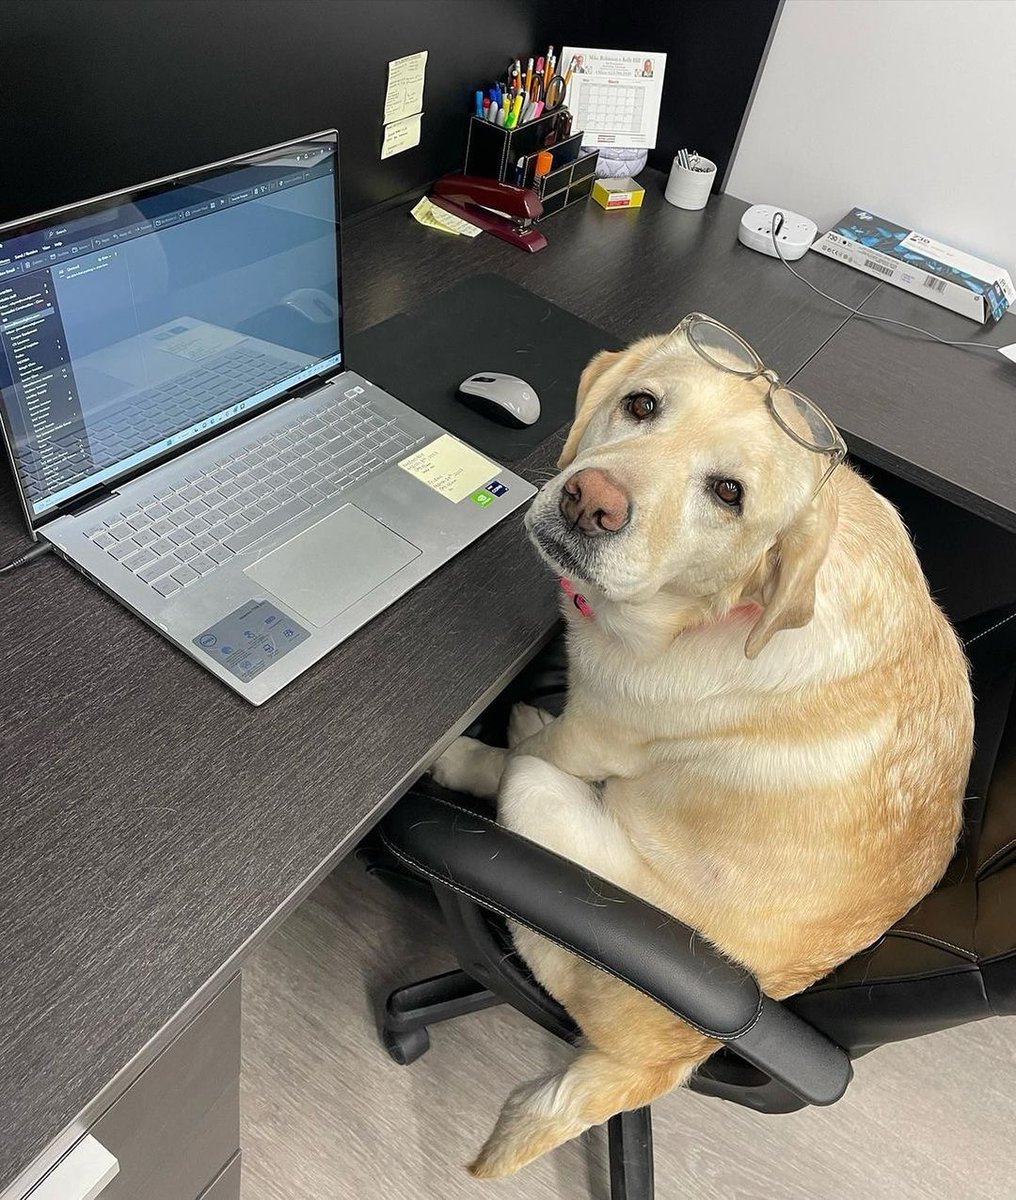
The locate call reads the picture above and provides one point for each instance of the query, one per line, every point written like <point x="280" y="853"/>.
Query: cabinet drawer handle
<point x="80" y="1175"/>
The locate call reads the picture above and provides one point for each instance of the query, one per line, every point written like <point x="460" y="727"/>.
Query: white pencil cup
<point x="688" y="188"/>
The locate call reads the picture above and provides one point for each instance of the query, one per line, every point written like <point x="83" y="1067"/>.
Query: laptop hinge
<point x="93" y="502"/>
<point x="313" y="385"/>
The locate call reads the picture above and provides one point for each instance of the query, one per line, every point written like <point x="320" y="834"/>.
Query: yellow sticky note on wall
<point x="450" y="467"/>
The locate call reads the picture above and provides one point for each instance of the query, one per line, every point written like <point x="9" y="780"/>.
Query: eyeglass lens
<point x="723" y="348"/>
<point x="802" y="420"/>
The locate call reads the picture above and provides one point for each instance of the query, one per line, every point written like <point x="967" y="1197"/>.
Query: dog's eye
<point x="729" y="491"/>
<point x="640" y="405"/>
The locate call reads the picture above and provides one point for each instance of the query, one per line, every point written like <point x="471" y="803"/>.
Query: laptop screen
<point x="135" y="324"/>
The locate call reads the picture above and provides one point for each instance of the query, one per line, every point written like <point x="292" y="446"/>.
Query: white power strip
<point x="795" y="236"/>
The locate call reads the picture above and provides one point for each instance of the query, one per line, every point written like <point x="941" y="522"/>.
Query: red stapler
<point x="505" y="211"/>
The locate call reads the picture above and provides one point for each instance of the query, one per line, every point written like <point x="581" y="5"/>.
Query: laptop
<point x="185" y="431"/>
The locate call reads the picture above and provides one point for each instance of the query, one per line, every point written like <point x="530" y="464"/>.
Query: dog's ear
<point x="788" y="589"/>
<point x="585" y="402"/>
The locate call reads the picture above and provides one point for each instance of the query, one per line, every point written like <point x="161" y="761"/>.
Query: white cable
<point x="775" y="228"/>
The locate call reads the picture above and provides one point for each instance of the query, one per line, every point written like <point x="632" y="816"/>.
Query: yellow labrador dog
<point x="775" y="715"/>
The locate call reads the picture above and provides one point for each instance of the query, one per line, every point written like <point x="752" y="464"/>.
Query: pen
<point x="529" y="110"/>
<point x="492" y="114"/>
<point x="520" y="171"/>
<point x="501" y="117"/>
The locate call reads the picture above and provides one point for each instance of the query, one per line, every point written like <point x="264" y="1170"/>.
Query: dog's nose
<point x="594" y="502"/>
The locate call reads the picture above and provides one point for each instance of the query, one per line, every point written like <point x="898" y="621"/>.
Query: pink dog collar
<point x="585" y="608"/>
<point x="580" y="602"/>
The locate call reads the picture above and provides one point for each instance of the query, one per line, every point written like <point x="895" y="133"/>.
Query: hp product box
<point x="968" y="285"/>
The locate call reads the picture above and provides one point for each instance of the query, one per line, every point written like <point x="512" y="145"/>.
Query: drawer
<point x="83" y="1173"/>
<point x="227" y="1185"/>
<point x="178" y="1124"/>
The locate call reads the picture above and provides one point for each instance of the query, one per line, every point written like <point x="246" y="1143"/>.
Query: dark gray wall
<point x="100" y="94"/>
<point x="713" y="50"/>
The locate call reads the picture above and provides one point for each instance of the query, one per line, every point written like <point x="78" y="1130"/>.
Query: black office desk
<point x="937" y="416"/>
<point x="155" y="826"/>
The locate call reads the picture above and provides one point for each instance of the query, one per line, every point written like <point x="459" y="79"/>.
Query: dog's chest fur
<point x="734" y="789"/>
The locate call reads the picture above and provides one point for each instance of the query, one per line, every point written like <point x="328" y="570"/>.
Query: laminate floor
<point x="326" y="1114"/>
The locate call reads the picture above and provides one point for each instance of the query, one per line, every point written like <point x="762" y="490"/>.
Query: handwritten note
<point x="437" y="218"/>
<point x="404" y="97"/>
<point x="401" y="135"/>
<point x="450" y="467"/>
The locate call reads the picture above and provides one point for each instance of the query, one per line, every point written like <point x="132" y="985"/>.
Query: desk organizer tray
<point x="564" y="185"/>
<point x="495" y="152"/>
<point x="422" y="356"/>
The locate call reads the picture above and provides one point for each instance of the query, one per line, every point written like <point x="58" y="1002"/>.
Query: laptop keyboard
<point x="233" y="375"/>
<point x="179" y="534"/>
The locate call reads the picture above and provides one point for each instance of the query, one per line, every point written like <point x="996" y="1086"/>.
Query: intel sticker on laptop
<point x="250" y="639"/>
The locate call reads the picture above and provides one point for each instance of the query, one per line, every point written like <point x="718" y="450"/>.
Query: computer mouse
<point x="504" y="398"/>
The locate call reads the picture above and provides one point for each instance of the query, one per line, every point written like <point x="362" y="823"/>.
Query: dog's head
<point x="675" y="477"/>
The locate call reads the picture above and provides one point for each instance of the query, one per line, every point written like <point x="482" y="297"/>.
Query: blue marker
<point x="479" y="104"/>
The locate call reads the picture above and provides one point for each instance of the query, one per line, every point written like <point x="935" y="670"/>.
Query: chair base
<point x="404" y="1033"/>
<point x="411" y="1009"/>
<point x="630" y="1147"/>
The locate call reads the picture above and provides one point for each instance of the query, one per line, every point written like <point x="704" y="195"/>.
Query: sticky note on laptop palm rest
<point x="483" y="323"/>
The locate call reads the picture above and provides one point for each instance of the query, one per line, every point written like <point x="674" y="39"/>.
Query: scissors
<point x="552" y="95"/>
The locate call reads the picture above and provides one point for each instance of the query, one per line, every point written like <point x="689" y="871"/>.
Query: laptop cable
<point x="35" y="552"/>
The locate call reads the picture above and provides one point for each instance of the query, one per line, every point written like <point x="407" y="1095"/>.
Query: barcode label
<point x="877" y="266"/>
<point x="936" y="285"/>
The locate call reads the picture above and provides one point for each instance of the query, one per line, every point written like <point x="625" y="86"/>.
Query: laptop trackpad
<point x="326" y="568"/>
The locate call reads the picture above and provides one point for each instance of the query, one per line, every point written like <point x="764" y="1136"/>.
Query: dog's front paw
<point x="470" y="766"/>
<point x="524" y="721"/>
<point x="453" y="768"/>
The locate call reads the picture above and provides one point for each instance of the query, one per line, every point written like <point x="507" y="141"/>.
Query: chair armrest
<point x="618" y="933"/>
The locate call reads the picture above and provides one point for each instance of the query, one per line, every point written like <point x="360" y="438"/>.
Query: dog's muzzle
<point x="594" y="504"/>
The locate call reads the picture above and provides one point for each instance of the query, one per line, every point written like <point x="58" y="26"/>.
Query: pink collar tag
<point x="580" y="602"/>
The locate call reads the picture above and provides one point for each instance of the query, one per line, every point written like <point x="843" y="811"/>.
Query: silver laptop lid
<point x="135" y="324"/>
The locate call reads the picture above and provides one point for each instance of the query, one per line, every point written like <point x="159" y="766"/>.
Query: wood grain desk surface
<point x="154" y="825"/>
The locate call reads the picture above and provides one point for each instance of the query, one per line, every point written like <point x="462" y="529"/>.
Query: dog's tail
<point x="547" y="1112"/>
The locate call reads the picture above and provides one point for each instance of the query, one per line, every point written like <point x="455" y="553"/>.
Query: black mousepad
<point x="483" y="323"/>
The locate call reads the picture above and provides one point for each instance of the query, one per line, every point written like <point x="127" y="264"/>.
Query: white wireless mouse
<point x="504" y="398"/>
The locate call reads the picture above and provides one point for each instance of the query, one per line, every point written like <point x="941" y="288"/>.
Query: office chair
<point x="951" y="960"/>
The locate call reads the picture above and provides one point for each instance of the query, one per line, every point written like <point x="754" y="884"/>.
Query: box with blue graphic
<point x="910" y="260"/>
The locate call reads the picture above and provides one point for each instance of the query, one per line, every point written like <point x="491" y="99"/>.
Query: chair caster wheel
<point x="406" y="1048"/>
